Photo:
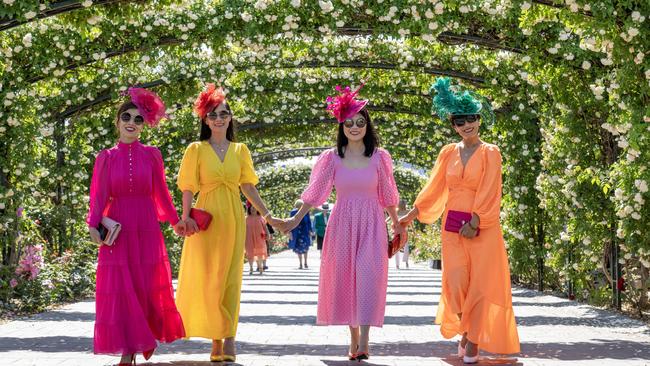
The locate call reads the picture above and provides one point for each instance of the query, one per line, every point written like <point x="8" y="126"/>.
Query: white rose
<point x="439" y="8"/>
<point x="87" y="3"/>
<point x="30" y="15"/>
<point x="586" y="65"/>
<point x="326" y="6"/>
<point x="8" y="2"/>
<point x="525" y="6"/>
<point x="295" y="3"/>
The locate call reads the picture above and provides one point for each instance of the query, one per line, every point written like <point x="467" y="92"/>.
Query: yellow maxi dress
<point x="209" y="282"/>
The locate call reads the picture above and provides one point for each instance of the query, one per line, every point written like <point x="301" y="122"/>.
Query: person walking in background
<point x="320" y="224"/>
<point x="402" y="255"/>
<point x="300" y="239"/>
<point x="255" y="239"/>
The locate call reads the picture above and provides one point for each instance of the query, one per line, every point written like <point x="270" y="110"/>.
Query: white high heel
<point x="461" y="350"/>
<point x="470" y="359"/>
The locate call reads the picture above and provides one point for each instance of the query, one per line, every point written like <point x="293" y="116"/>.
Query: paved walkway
<point x="278" y="313"/>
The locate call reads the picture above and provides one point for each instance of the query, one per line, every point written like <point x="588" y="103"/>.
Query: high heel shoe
<point x="216" y="358"/>
<point x="363" y="356"/>
<point x="147" y="354"/>
<point x="130" y="363"/>
<point x="461" y="350"/>
<point x="229" y="358"/>
<point x="470" y="359"/>
<point x="353" y="356"/>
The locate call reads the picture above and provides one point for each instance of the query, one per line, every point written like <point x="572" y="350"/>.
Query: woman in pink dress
<point x="354" y="260"/>
<point x="134" y="295"/>
<point x="255" y="239"/>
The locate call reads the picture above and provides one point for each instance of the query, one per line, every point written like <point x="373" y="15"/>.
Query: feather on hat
<point x="345" y="105"/>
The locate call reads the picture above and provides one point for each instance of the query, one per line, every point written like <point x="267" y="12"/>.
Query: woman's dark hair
<point x="370" y="139"/>
<point x="230" y="132"/>
<point x="250" y="210"/>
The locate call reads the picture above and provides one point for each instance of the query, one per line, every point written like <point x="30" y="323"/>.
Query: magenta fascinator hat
<point x="345" y="105"/>
<point x="149" y="104"/>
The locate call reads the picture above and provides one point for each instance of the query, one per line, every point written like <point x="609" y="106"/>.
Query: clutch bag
<point x="456" y="220"/>
<point x="108" y="230"/>
<point x="202" y="218"/>
<point x="393" y="246"/>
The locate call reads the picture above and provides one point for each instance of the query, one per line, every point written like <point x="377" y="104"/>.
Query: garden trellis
<point x="569" y="80"/>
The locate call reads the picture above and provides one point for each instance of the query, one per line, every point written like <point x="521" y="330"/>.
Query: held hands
<point x="286" y="225"/>
<point x="399" y="229"/>
<point x="191" y="227"/>
<point x="180" y="228"/>
<point x="407" y="219"/>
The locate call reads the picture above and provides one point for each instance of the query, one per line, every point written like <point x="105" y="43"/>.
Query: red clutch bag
<point x="202" y="218"/>
<point x="393" y="246"/>
<point x="456" y="220"/>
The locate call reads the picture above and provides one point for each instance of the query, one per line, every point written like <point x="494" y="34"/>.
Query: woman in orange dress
<point x="476" y="300"/>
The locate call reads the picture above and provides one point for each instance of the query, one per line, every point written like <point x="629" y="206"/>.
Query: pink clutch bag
<point x="456" y="220"/>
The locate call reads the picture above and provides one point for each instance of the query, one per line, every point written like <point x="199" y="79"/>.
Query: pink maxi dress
<point x="354" y="260"/>
<point x="134" y="296"/>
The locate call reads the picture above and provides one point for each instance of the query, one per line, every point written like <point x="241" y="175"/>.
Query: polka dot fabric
<point x="354" y="261"/>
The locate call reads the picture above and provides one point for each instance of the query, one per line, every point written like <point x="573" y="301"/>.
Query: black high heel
<point x="363" y="356"/>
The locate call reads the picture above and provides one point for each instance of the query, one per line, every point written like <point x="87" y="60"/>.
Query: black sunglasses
<point x="126" y="117"/>
<point x="215" y="115"/>
<point x="460" y="121"/>
<point x="361" y="123"/>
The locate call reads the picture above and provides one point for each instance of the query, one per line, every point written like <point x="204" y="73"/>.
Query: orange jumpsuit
<point x="475" y="272"/>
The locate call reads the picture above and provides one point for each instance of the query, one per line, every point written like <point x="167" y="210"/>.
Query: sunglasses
<point x="361" y="123"/>
<point x="460" y="121"/>
<point x="126" y="117"/>
<point x="215" y="115"/>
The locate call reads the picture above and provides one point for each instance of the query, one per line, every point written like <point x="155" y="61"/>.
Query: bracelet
<point x="472" y="227"/>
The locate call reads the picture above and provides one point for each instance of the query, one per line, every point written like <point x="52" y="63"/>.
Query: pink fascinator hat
<point x="345" y="105"/>
<point x="149" y="104"/>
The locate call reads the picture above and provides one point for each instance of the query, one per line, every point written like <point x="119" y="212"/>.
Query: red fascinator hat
<point x="345" y="105"/>
<point x="208" y="100"/>
<point x="149" y="104"/>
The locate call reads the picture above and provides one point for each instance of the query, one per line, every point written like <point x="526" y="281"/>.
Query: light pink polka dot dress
<point x="354" y="260"/>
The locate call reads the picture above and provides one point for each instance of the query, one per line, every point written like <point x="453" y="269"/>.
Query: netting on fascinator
<point x="149" y="105"/>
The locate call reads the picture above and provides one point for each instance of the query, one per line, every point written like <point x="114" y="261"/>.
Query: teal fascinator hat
<point x="448" y="101"/>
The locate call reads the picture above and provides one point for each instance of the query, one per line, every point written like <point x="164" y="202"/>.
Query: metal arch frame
<point x="105" y="96"/>
<point x="65" y="6"/>
<point x="56" y="8"/>
<point x="272" y="156"/>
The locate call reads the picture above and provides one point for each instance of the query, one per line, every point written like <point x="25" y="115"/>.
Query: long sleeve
<point x="487" y="202"/>
<point x="165" y="209"/>
<point x="188" y="173"/>
<point x="99" y="190"/>
<point x="432" y="198"/>
<point x="248" y="174"/>
<point x="321" y="180"/>
<point x="388" y="194"/>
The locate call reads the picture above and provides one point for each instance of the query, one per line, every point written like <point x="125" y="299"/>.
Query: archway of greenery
<point x="569" y="80"/>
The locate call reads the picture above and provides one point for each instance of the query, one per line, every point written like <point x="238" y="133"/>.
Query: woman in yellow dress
<point x="209" y="282"/>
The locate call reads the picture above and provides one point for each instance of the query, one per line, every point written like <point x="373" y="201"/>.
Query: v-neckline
<point x="217" y="155"/>
<point x="460" y="156"/>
